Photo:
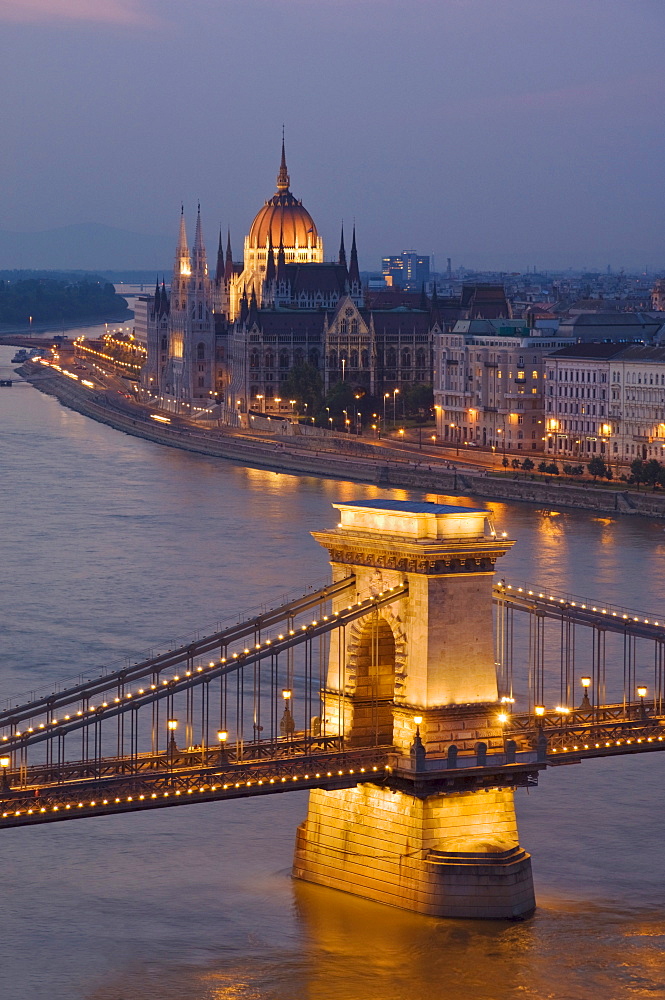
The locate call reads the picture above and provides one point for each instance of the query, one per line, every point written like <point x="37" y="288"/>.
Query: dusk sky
<point x="502" y="133"/>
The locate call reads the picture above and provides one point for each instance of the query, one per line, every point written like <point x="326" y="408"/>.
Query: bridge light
<point x="502" y="717"/>
<point x="562" y="710"/>
<point x="585" y="682"/>
<point x="222" y="735"/>
<point x="286" y="694"/>
<point x="641" y="692"/>
<point x="539" y="710"/>
<point x="172" y="724"/>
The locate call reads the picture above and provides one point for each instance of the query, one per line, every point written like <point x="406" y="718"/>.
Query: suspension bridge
<point x="368" y="681"/>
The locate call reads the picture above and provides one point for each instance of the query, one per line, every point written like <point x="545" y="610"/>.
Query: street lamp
<point x="4" y="764"/>
<point x="222" y="736"/>
<point x="641" y="694"/>
<point x="586" y="684"/>
<point x="287" y="725"/>
<point x="386" y="396"/>
<point x="395" y="395"/>
<point x="452" y="428"/>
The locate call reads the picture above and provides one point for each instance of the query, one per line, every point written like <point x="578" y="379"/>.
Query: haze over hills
<point x="86" y="246"/>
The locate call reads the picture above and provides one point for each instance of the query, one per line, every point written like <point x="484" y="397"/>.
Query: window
<point x="283" y="359"/>
<point x="354" y="326"/>
<point x="201" y="381"/>
<point x="200" y="352"/>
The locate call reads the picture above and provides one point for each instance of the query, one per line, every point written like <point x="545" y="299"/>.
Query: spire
<point x="228" y="265"/>
<point x="354" y="273"/>
<point x="281" y="260"/>
<point x="244" y="307"/>
<point x="158" y="298"/>
<point x="424" y="304"/>
<point x="166" y="305"/>
<point x="342" y="251"/>
<point x="270" y="262"/>
<point x="253" y="315"/>
<point x="182" y="262"/>
<point x="199" y="261"/>
<point x="283" y="179"/>
<point x="219" y="269"/>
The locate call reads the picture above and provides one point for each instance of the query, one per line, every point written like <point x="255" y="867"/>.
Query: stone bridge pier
<point x="418" y="675"/>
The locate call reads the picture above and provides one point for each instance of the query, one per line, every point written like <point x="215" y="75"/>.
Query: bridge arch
<point x="375" y="659"/>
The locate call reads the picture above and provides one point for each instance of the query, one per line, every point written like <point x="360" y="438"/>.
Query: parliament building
<point x="234" y="338"/>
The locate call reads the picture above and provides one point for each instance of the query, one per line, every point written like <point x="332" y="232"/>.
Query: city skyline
<point x="503" y="138"/>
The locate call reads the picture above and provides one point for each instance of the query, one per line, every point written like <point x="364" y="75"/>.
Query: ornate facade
<point x="236" y="337"/>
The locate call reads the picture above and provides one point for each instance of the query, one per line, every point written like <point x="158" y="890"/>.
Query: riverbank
<point x="330" y="459"/>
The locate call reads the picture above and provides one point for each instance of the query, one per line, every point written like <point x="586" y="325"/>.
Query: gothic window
<point x="200" y="352"/>
<point x="354" y="326"/>
<point x="406" y="359"/>
<point x="283" y="359"/>
<point x="164" y="343"/>
<point x="200" y="310"/>
<point x="391" y="358"/>
<point x="354" y="359"/>
<point x="420" y="358"/>
<point x="332" y="359"/>
<point x="343" y="356"/>
<point x="314" y="357"/>
<point x="270" y="359"/>
<point x="254" y="359"/>
<point x="201" y="381"/>
<point x="299" y="356"/>
<point x="364" y="359"/>
<point x="343" y="326"/>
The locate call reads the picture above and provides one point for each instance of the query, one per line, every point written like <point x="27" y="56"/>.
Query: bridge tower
<point x="419" y="674"/>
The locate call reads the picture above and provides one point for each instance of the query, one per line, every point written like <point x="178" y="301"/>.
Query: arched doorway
<point x="374" y="655"/>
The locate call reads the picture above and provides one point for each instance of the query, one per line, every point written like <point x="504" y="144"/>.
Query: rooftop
<point x="414" y="507"/>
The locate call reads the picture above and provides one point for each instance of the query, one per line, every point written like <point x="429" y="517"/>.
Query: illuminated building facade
<point x="236" y="337"/>
<point x="608" y="400"/>
<point x="489" y="385"/>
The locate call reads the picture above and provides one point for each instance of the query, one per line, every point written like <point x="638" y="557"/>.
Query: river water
<point x="112" y="544"/>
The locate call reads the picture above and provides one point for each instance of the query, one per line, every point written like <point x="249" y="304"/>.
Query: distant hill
<point x="86" y="246"/>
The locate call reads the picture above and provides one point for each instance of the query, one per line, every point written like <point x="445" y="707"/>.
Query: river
<point x="112" y="544"/>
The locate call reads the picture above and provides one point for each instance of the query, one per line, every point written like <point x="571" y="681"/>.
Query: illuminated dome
<point x="283" y="218"/>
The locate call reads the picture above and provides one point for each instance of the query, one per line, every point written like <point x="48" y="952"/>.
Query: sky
<point x="501" y="133"/>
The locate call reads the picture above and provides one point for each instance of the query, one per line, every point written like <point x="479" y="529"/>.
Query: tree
<point x="637" y="472"/>
<point x="651" y="471"/>
<point x="543" y="466"/>
<point x="528" y="465"/>
<point x="596" y="467"/>
<point x="552" y="469"/>
<point x="418" y="400"/>
<point x="505" y="462"/>
<point x="303" y="383"/>
<point x="516" y="464"/>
